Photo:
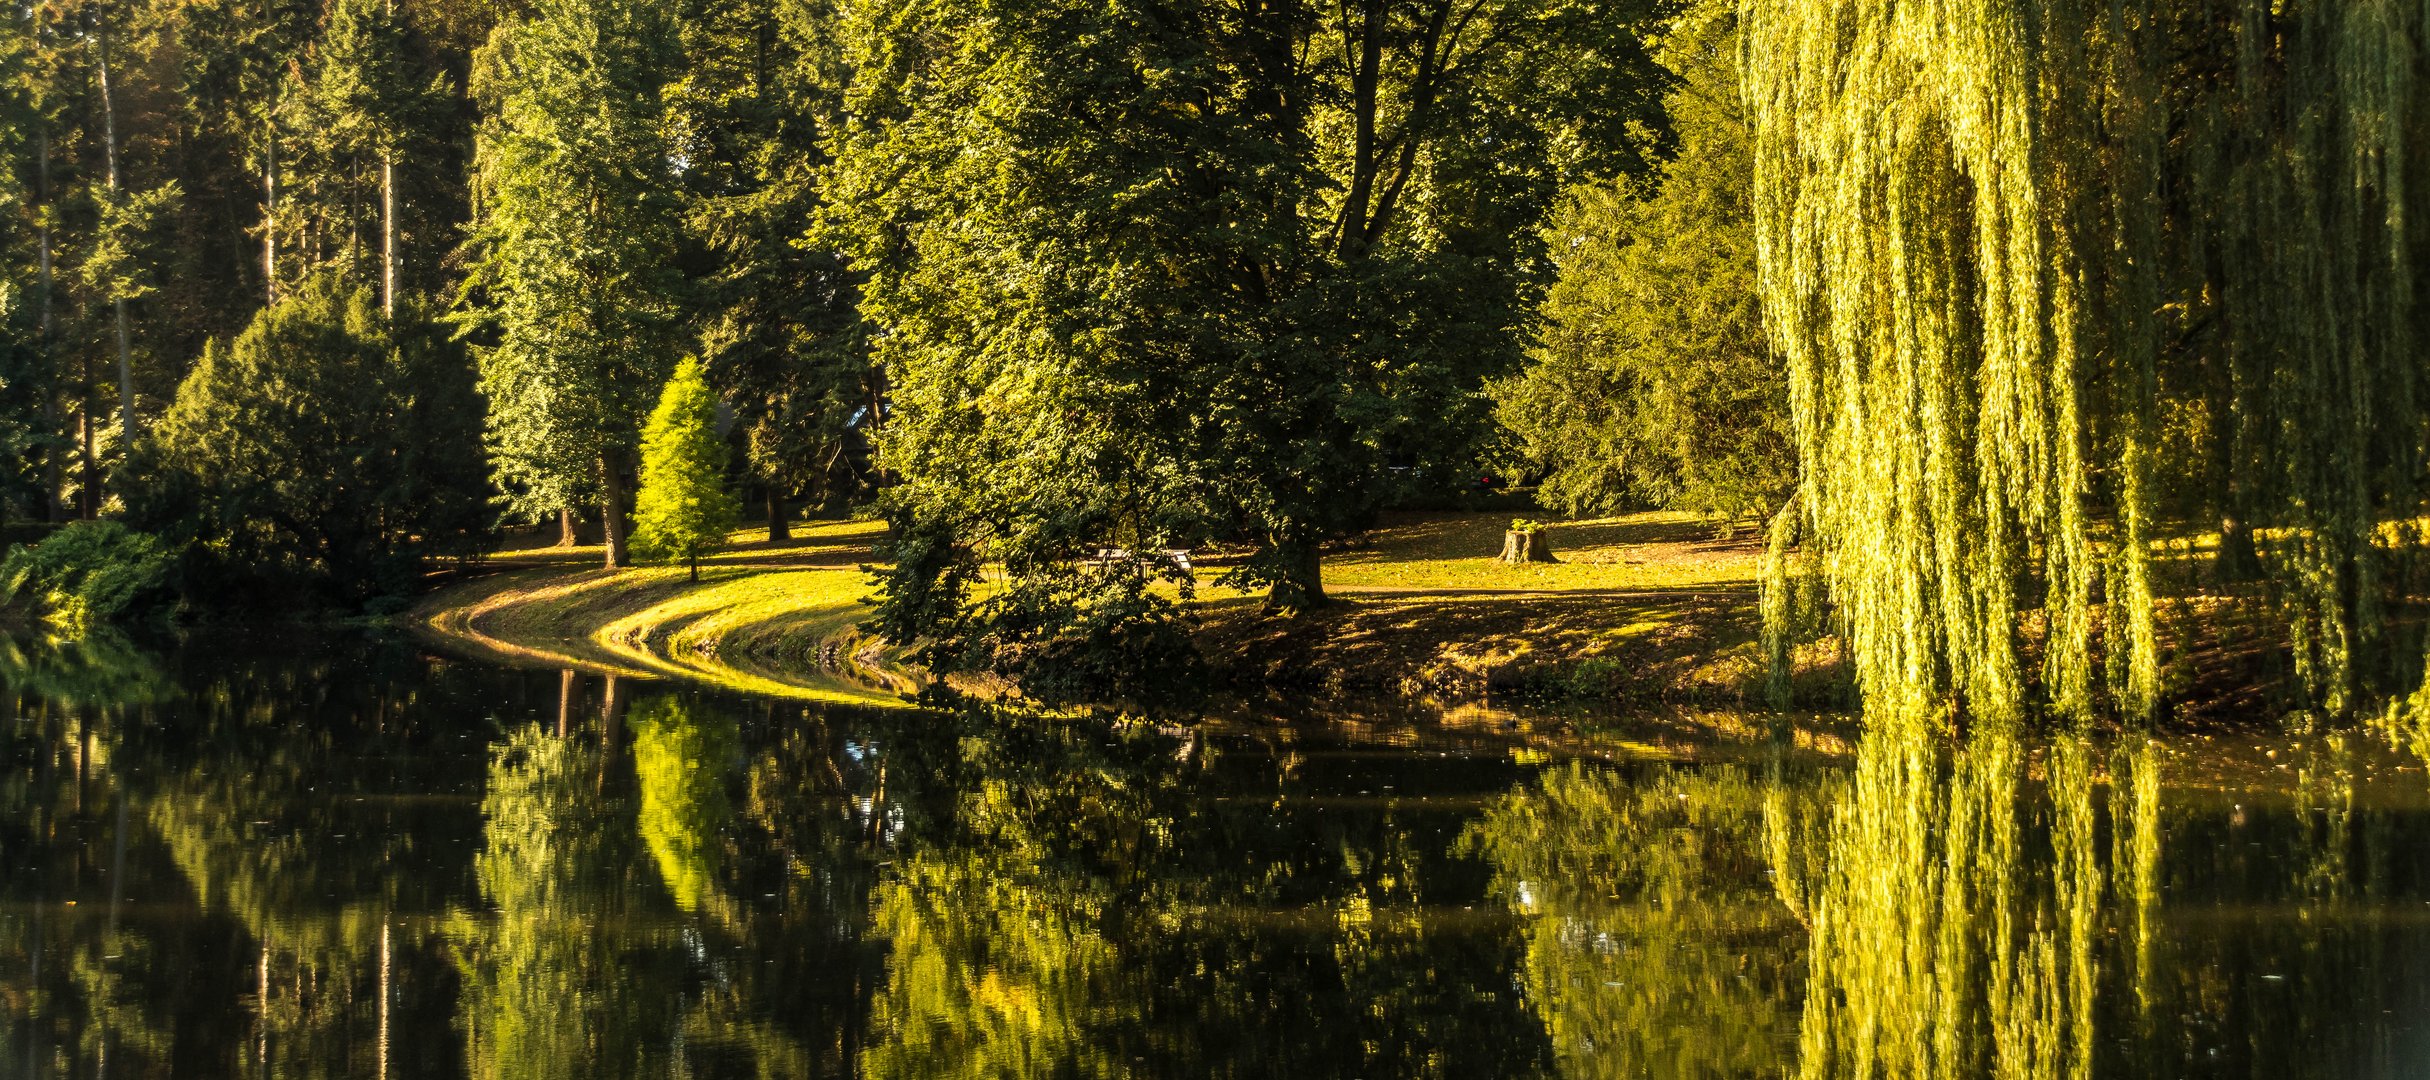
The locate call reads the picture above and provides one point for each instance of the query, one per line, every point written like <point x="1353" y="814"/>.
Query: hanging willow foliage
<point x="2024" y="258"/>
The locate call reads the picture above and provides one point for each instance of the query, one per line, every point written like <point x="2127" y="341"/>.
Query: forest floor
<point x="1653" y="606"/>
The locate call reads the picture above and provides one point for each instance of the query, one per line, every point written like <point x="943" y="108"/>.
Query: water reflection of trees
<point x="1990" y="906"/>
<point x="1655" y="943"/>
<point x="616" y="939"/>
<point x="1084" y="900"/>
<point x="335" y="850"/>
<point x="1956" y="924"/>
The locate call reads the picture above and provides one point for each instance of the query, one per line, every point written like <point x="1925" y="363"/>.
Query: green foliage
<point x="1651" y="384"/>
<point x="2003" y="330"/>
<point x="89" y="575"/>
<point x="370" y="94"/>
<point x="123" y="262"/>
<point x="681" y="757"/>
<point x="323" y="445"/>
<point x="780" y="328"/>
<point x="1646" y="912"/>
<point x="684" y="510"/>
<point x="575" y="287"/>
<point x="1153" y="274"/>
<point x="376" y="97"/>
<point x="97" y="667"/>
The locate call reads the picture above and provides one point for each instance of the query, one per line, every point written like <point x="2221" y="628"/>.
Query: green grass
<point x="1650" y="551"/>
<point x="1646" y="602"/>
<point x="775" y="619"/>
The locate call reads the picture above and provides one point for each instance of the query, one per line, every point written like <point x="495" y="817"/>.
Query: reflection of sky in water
<point x="351" y="858"/>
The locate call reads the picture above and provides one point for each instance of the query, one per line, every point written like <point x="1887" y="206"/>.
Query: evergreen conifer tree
<point x="578" y="231"/>
<point x="684" y="510"/>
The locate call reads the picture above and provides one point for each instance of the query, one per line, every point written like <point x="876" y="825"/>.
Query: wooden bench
<point x="1178" y="558"/>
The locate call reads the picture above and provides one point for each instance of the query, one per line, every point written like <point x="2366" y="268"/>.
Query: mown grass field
<point x="1653" y="604"/>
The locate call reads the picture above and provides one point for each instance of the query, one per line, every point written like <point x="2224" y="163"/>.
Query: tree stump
<point x="1526" y="547"/>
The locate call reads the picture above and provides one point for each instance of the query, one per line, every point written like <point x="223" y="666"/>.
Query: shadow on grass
<point x="1671" y="644"/>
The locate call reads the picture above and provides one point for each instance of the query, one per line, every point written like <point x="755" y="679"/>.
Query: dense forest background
<point x="316" y="293"/>
<point x="2028" y="328"/>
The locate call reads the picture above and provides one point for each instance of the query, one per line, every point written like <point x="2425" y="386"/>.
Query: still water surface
<point x="351" y="857"/>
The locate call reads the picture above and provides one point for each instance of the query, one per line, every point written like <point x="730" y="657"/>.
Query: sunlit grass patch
<point x="1646" y="600"/>
<point x="776" y="619"/>
<point x="1654" y="550"/>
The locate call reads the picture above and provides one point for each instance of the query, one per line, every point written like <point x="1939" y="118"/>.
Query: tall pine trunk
<point x="53" y="476"/>
<point x="611" y="510"/>
<point x="270" y="218"/>
<point x="388" y="220"/>
<point x="127" y="429"/>
<point x="388" y="235"/>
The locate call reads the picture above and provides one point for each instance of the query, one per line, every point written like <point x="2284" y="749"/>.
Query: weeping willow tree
<point x="2053" y="280"/>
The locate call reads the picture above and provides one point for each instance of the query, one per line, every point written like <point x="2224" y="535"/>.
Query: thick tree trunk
<point x="611" y="509"/>
<point x="1526" y="547"/>
<point x="2238" y="560"/>
<point x="569" y="528"/>
<point x="1302" y="586"/>
<point x="778" y="530"/>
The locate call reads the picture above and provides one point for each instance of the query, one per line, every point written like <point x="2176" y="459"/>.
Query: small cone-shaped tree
<point x="684" y="509"/>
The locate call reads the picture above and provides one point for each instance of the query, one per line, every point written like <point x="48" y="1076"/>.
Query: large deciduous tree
<point x="576" y="283"/>
<point x="1153" y="273"/>
<point x="329" y="449"/>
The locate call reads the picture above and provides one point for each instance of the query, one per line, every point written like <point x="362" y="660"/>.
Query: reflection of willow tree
<point x="553" y="982"/>
<point x="1957" y="921"/>
<point x="1656" y="945"/>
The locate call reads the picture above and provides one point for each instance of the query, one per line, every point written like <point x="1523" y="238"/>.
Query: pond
<point x="349" y="856"/>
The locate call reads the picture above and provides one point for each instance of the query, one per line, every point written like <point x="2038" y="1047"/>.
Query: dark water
<point x="354" y="858"/>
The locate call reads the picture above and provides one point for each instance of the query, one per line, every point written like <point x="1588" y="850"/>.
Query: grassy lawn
<point x="1651" y="551"/>
<point x="1654" y="601"/>
<point x="767" y="618"/>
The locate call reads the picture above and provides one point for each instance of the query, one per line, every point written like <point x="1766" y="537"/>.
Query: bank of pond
<point x="346" y="854"/>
